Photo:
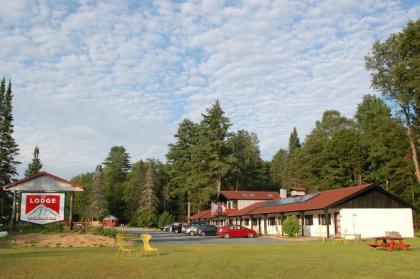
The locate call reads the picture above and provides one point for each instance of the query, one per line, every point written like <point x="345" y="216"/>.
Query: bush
<point x="35" y="228"/>
<point x="165" y="218"/>
<point x="147" y="219"/>
<point x="291" y="226"/>
<point x="108" y="232"/>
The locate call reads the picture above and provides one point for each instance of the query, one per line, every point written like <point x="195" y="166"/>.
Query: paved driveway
<point x="181" y="238"/>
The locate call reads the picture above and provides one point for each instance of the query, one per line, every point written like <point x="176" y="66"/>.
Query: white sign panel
<point x="42" y="208"/>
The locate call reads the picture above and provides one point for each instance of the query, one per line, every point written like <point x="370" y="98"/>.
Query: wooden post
<point x="13" y="219"/>
<point x="302" y="222"/>
<point x="327" y="220"/>
<point x="265" y="224"/>
<point x="281" y="221"/>
<point x="71" y="210"/>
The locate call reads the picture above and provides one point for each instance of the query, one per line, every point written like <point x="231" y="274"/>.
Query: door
<point x="337" y="223"/>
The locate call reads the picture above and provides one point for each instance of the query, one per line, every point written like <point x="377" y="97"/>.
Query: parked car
<point x="176" y="227"/>
<point x="236" y="231"/>
<point x="192" y="229"/>
<point x="184" y="226"/>
<point x="166" y="228"/>
<point x="206" y="230"/>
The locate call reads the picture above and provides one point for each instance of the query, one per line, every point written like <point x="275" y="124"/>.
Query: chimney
<point x="283" y="193"/>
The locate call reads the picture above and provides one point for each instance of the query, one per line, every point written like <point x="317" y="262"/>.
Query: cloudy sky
<point x="89" y="75"/>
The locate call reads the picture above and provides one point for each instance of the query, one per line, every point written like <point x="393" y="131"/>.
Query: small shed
<point x="110" y="221"/>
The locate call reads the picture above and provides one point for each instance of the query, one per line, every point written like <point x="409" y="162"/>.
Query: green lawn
<point x="284" y="260"/>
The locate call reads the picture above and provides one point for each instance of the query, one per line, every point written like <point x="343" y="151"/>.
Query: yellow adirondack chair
<point x="146" y="246"/>
<point x="123" y="247"/>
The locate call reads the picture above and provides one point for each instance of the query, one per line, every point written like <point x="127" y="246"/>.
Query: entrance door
<point x="337" y="223"/>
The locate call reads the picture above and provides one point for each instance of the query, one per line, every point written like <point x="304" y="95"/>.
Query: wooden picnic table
<point x="389" y="243"/>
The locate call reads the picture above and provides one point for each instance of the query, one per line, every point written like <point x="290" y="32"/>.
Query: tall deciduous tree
<point x="395" y="71"/>
<point x="35" y="166"/>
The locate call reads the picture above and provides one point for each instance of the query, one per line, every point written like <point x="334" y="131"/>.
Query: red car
<point x="235" y="231"/>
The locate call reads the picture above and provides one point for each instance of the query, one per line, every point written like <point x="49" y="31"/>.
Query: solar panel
<point x="289" y="200"/>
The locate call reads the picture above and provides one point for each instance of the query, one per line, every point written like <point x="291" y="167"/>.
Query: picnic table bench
<point x="389" y="243"/>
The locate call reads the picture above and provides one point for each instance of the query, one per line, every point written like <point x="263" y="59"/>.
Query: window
<point x="254" y="221"/>
<point x="309" y="220"/>
<point x="272" y="221"/>
<point x="322" y="220"/>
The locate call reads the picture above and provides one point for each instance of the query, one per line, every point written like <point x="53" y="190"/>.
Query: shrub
<point x="108" y="232"/>
<point x="147" y="219"/>
<point x="35" y="228"/>
<point x="291" y="226"/>
<point x="165" y="218"/>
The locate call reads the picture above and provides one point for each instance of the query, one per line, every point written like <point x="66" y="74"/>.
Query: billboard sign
<point x="42" y="208"/>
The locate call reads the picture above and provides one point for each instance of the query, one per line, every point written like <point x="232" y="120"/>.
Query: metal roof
<point x="43" y="182"/>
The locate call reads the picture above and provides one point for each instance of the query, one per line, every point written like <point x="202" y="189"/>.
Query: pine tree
<point x="212" y="151"/>
<point x="35" y="166"/>
<point x="116" y="168"/>
<point x="148" y="202"/>
<point x="97" y="206"/>
<point x="294" y="142"/>
<point x="8" y="147"/>
<point x="244" y="160"/>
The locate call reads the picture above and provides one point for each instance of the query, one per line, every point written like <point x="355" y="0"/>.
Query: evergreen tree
<point x="244" y="160"/>
<point x="35" y="166"/>
<point x="395" y="68"/>
<point x="278" y="168"/>
<point x="294" y="142"/>
<point x="97" y="207"/>
<point x="8" y="147"/>
<point x="181" y="167"/>
<point x="116" y="168"/>
<point x="133" y="188"/>
<point x="148" y="202"/>
<point x="212" y="152"/>
<point x="81" y="199"/>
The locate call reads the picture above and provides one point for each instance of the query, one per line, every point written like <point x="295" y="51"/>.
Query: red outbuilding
<point x="110" y="221"/>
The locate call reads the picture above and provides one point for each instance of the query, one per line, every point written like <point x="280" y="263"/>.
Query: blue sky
<point x="89" y="75"/>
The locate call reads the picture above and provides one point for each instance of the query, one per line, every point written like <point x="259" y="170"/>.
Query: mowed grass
<point x="313" y="259"/>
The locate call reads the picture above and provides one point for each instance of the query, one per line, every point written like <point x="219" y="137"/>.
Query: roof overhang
<point x="43" y="182"/>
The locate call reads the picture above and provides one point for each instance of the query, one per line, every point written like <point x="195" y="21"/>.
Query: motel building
<point x="359" y="211"/>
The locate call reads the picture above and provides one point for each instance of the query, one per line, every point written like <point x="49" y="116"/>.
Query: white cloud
<point x="91" y="75"/>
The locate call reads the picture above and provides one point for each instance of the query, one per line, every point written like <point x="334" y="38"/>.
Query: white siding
<point x="371" y="222"/>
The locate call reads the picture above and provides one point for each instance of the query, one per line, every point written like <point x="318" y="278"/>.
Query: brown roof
<point x="315" y="201"/>
<point x="42" y="173"/>
<point x="246" y="210"/>
<point x="320" y="201"/>
<point x="205" y="214"/>
<point x="250" y="195"/>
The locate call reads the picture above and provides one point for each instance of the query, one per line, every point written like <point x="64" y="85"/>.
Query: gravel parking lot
<point x="181" y="238"/>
